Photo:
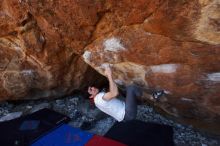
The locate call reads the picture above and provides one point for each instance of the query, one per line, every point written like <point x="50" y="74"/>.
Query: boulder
<point x="49" y="48"/>
<point x="175" y="49"/>
<point x="41" y="45"/>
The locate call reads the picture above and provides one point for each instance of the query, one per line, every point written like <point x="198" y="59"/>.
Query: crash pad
<point x="139" y="133"/>
<point x="26" y="129"/>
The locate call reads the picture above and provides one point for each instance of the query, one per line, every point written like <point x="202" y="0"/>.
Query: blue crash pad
<point x="64" y="135"/>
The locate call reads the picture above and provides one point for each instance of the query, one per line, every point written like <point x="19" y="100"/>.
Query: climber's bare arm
<point x="113" y="89"/>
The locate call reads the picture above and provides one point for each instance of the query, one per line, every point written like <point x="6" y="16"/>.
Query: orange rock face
<point x="41" y="45"/>
<point x="48" y="46"/>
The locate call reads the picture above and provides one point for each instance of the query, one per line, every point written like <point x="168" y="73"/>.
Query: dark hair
<point x="98" y="86"/>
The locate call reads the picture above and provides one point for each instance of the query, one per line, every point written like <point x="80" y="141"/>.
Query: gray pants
<point x="132" y="92"/>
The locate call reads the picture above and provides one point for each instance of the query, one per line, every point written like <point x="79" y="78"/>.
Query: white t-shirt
<point x="113" y="107"/>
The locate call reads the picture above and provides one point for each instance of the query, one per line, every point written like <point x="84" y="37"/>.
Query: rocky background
<point x="88" y="118"/>
<point x="49" y="48"/>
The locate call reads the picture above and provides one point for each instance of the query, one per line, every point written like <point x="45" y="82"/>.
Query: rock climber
<point x="113" y="106"/>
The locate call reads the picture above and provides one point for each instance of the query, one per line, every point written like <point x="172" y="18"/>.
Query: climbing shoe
<point x="157" y="94"/>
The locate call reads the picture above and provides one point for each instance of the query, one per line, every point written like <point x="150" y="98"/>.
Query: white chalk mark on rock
<point x="113" y="45"/>
<point x="148" y="33"/>
<point x="164" y="68"/>
<point x="167" y="92"/>
<point x="186" y="99"/>
<point x="215" y="77"/>
<point x="105" y="65"/>
<point x="87" y="56"/>
<point x="27" y="72"/>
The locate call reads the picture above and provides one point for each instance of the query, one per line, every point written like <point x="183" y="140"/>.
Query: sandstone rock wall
<point x="48" y="46"/>
<point x="41" y="45"/>
<point x="172" y="46"/>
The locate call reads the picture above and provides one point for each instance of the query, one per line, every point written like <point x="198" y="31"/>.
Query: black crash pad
<point x="24" y="130"/>
<point x="138" y="133"/>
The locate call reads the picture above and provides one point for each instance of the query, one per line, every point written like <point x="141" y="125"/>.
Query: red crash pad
<point x="102" y="141"/>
